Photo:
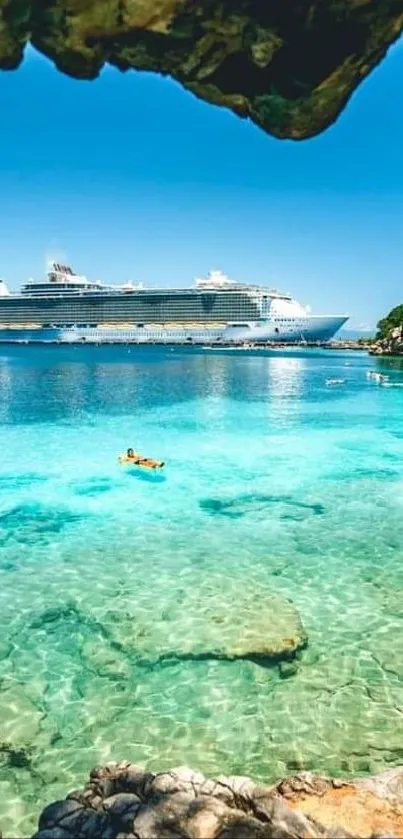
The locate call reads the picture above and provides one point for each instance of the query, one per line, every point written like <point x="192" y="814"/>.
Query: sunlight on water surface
<point x="277" y="489"/>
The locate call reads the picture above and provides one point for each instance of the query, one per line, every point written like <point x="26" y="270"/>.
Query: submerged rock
<point x="124" y="800"/>
<point x="288" y="669"/>
<point x="15" y="756"/>
<point x="63" y="612"/>
<point x="34" y="521"/>
<point x="226" y="621"/>
<point x="283" y="506"/>
<point x="15" y="482"/>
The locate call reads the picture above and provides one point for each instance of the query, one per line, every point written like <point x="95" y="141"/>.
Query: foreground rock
<point x="290" y="67"/>
<point x="364" y="808"/>
<point x="122" y="800"/>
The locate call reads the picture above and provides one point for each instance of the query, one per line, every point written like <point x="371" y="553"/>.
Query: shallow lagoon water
<point x="275" y="483"/>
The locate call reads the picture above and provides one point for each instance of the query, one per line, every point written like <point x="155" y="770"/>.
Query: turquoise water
<point x="275" y="486"/>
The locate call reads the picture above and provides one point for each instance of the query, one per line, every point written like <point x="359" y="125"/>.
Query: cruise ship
<point x="68" y="308"/>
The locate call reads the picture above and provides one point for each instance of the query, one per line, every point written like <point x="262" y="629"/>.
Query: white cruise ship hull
<point x="310" y="329"/>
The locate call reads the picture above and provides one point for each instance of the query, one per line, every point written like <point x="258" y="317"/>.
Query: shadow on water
<point x="149" y="477"/>
<point x="244" y="504"/>
<point x="93" y="487"/>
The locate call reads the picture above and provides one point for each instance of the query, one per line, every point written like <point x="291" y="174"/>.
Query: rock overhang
<point x="289" y="66"/>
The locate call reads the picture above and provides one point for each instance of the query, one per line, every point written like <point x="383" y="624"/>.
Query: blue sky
<point x="132" y="178"/>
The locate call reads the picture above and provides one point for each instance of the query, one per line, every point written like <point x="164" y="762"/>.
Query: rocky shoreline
<point x="123" y="801"/>
<point x="391" y="345"/>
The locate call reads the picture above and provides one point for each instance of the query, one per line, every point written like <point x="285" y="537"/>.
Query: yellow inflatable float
<point x="132" y="458"/>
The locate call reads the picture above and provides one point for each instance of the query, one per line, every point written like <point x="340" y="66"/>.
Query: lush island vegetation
<point x="389" y="337"/>
<point x="392" y="320"/>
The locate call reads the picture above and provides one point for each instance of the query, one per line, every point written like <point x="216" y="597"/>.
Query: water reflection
<point x="5" y="388"/>
<point x="67" y="384"/>
<point x="286" y="376"/>
<point x="386" y="365"/>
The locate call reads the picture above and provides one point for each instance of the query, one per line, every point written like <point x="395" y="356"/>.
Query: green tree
<point x="392" y="320"/>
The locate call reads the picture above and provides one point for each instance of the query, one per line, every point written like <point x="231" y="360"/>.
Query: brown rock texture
<point x="289" y="65"/>
<point x="367" y="807"/>
<point x="391" y="345"/>
<point x="122" y="800"/>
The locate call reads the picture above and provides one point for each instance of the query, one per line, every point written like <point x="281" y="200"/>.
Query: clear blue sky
<point x="132" y="178"/>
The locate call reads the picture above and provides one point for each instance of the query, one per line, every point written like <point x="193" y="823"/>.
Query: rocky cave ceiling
<point x="288" y="65"/>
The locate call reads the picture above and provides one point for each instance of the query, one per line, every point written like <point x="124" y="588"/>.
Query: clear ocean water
<point x="274" y="484"/>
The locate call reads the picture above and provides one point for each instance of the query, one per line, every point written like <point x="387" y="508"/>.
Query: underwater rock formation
<point x="288" y="66"/>
<point x="122" y="800"/>
<point x="261" y="505"/>
<point x="210" y="623"/>
<point x="33" y="520"/>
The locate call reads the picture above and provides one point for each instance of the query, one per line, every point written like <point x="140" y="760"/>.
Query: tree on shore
<point x="392" y="320"/>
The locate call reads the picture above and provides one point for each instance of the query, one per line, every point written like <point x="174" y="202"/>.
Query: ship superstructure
<point x="214" y="308"/>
